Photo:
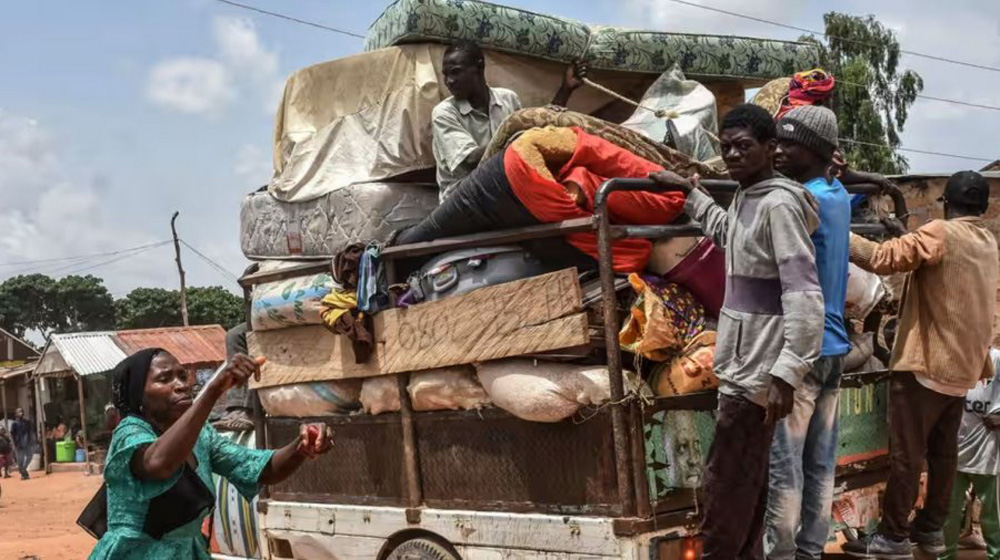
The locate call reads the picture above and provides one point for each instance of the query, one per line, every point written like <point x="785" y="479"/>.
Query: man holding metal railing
<point x="770" y="328"/>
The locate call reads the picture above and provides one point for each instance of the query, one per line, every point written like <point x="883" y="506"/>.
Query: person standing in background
<point x="23" y="432"/>
<point x="803" y="456"/>
<point x="978" y="465"/>
<point x="940" y="353"/>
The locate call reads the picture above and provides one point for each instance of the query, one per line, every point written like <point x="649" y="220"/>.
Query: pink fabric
<point x="703" y="273"/>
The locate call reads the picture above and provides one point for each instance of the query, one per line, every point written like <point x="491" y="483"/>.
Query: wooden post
<point x="3" y="396"/>
<point x="41" y="424"/>
<point x="180" y="269"/>
<point x="83" y="422"/>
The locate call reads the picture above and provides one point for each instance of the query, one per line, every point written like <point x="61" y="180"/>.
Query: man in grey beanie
<point x="803" y="455"/>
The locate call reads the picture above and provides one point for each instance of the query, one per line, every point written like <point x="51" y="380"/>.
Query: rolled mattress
<point x="322" y="227"/>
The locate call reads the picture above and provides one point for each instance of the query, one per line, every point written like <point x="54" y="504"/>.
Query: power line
<point x="914" y="150"/>
<point x="218" y="267"/>
<point x="290" y="18"/>
<point x="744" y="16"/>
<point x="823" y="34"/>
<point x="82" y="257"/>
<point x="109" y="261"/>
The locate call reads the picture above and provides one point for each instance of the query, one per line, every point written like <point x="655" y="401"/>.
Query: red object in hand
<point x="261" y="360"/>
<point x="312" y="435"/>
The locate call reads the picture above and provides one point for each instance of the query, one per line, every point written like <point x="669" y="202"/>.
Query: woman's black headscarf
<point x="129" y="381"/>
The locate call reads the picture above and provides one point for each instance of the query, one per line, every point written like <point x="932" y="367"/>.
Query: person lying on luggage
<point x="158" y="474"/>
<point x="463" y="124"/>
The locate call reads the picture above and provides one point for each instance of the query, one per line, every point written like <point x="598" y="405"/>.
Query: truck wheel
<point x="422" y="549"/>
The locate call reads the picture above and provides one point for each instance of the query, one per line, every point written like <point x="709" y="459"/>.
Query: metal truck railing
<point x="626" y="416"/>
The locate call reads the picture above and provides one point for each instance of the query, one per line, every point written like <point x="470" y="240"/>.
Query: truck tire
<point x="422" y="549"/>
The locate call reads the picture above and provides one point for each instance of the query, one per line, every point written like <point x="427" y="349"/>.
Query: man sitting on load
<point x="464" y="124"/>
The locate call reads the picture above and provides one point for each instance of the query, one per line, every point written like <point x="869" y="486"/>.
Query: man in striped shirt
<point x="940" y="353"/>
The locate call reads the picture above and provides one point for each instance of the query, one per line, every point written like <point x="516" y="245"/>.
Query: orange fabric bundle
<point x="557" y="178"/>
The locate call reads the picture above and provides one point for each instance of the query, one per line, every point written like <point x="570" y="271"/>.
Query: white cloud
<point x="242" y="65"/>
<point x="241" y="49"/>
<point x="60" y="213"/>
<point x="200" y="86"/>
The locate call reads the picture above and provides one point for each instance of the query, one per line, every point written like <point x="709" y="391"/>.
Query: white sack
<point x="454" y="388"/>
<point x="317" y="398"/>
<point x="543" y="391"/>
<point x="380" y="394"/>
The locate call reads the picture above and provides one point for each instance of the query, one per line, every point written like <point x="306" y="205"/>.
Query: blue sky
<point x="100" y="142"/>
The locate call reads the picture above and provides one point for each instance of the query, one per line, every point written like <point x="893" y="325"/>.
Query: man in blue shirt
<point x="803" y="455"/>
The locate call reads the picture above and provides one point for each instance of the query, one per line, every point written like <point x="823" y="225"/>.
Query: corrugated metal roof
<point x="190" y="345"/>
<point x="7" y="373"/>
<point x="84" y="353"/>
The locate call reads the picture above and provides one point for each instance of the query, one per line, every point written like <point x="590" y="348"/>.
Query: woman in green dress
<point x="158" y="472"/>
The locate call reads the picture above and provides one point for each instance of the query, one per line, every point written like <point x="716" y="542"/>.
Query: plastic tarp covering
<point x="694" y="107"/>
<point x="367" y="117"/>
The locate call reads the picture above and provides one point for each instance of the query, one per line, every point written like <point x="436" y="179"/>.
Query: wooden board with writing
<point x="526" y="316"/>
<point x="309" y="353"/>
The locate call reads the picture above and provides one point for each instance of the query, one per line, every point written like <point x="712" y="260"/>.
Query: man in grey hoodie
<point x="770" y="327"/>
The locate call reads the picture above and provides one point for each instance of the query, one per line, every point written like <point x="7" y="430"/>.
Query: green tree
<point x="215" y="305"/>
<point x="70" y="304"/>
<point x="83" y="304"/>
<point x="862" y="51"/>
<point x="145" y="308"/>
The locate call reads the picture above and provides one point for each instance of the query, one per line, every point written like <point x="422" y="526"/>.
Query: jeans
<point x="803" y="466"/>
<point x="24" y="455"/>
<point x="736" y="482"/>
<point x="923" y="425"/>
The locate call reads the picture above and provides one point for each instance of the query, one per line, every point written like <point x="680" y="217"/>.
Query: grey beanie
<point x="812" y="126"/>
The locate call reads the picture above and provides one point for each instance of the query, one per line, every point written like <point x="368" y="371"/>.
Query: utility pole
<point x="180" y="269"/>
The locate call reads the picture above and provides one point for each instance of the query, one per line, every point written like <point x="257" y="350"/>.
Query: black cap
<point x="967" y="189"/>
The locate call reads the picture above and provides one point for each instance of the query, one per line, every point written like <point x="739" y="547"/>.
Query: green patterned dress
<point x="128" y="498"/>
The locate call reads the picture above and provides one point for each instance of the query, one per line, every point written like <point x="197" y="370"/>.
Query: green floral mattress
<point x="608" y="48"/>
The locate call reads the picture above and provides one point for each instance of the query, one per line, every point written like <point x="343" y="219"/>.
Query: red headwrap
<point x="811" y="87"/>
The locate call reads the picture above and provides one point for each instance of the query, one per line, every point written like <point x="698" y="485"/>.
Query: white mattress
<point x="322" y="227"/>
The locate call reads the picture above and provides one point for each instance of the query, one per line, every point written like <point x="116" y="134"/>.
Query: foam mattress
<point x="323" y="226"/>
<point x="605" y="48"/>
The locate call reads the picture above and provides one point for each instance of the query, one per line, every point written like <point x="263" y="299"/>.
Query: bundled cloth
<point x="340" y="310"/>
<point x="667" y="325"/>
<point x="549" y="175"/>
<point x="452" y="388"/>
<point x="812" y="87"/>
<point x="317" y="398"/>
<point x="697" y="265"/>
<point x="539" y="391"/>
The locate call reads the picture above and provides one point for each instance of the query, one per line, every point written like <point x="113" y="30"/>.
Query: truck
<point x="471" y="485"/>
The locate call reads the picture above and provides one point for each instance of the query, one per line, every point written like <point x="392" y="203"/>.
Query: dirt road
<point x="38" y="517"/>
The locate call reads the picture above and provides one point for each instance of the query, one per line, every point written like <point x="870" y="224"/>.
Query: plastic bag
<point x="663" y="320"/>
<point x="317" y="398"/>
<point x="545" y="391"/>
<point x="692" y="107"/>
<point x="862" y="348"/>
<point x="864" y="291"/>
<point x="453" y="388"/>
